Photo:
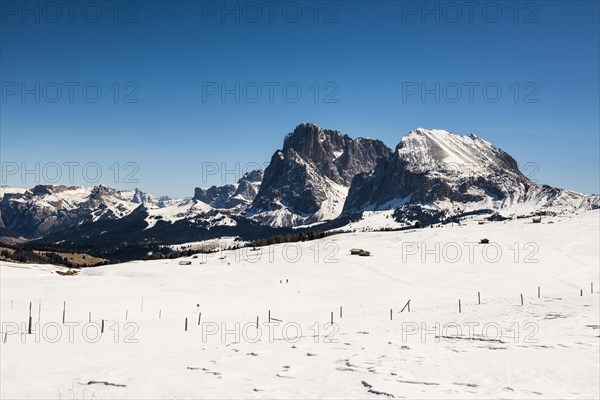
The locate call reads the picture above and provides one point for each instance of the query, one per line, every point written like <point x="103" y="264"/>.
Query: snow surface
<point x="174" y="212"/>
<point x="447" y="153"/>
<point x="364" y="355"/>
<point x="8" y="189"/>
<point x="220" y="243"/>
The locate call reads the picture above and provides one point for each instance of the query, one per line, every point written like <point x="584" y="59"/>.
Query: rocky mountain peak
<point x="101" y="190"/>
<point x="450" y="173"/>
<point x="230" y="195"/>
<point x="140" y="197"/>
<point x="43" y="190"/>
<point x="307" y="180"/>
<point x="313" y="142"/>
<point x="425" y="150"/>
<point x="252" y="176"/>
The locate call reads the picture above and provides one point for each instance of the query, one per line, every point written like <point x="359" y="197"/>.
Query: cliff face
<point x="231" y="196"/>
<point x="307" y="180"/>
<point x="440" y="170"/>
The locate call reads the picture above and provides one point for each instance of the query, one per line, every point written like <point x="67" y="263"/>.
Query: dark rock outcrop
<point x="306" y="181"/>
<point x="231" y="196"/>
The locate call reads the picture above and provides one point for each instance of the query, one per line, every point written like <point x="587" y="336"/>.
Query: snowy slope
<point x="8" y="189"/>
<point x="454" y="174"/>
<point x="44" y="209"/>
<point x="319" y="175"/>
<point x="545" y="348"/>
<point x="442" y="152"/>
<point x="188" y="209"/>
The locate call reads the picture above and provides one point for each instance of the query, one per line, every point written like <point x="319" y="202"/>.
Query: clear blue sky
<point x="370" y="54"/>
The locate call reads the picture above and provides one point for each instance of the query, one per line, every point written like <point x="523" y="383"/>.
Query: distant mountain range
<point x="320" y="179"/>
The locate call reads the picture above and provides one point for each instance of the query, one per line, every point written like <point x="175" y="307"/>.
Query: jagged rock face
<point x="140" y="197"/>
<point x="41" y="190"/>
<point x="248" y="187"/>
<point x="307" y="180"/>
<point x="431" y="175"/>
<point x="442" y="170"/>
<point x="48" y="208"/>
<point x="333" y="154"/>
<point x="216" y="196"/>
<point x="231" y="196"/>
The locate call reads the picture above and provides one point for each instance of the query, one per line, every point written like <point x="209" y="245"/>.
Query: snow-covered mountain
<point x="232" y="195"/>
<point x="452" y="174"/>
<point x="307" y="180"/>
<point x="44" y="209"/>
<point x="321" y="179"/>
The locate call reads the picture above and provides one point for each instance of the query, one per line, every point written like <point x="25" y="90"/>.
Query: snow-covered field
<point x="546" y="348"/>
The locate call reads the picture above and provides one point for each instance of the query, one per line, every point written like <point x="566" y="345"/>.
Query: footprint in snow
<point x="105" y="383"/>
<point x="284" y="376"/>
<point x="471" y="385"/>
<point x="252" y="354"/>
<point x="311" y="354"/>
<point x="377" y="392"/>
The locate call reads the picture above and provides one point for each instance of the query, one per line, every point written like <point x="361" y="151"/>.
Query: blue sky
<point x="364" y="57"/>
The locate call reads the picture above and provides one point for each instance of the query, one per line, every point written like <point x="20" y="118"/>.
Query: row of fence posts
<point x="406" y="307"/>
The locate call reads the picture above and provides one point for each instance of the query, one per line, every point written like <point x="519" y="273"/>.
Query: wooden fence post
<point x="538" y="292"/>
<point x="29" y="329"/>
<point x="406" y="305"/>
<point x="332" y="318"/>
<point x="521" y="298"/>
<point x="459" y="307"/>
<point x="478" y="298"/>
<point x="64" y="309"/>
<point x="186" y="324"/>
<point x="340" y="311"/>
<point x="199" y="318"/>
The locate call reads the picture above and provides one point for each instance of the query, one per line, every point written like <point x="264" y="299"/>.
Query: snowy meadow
<point x="431" y="313"/>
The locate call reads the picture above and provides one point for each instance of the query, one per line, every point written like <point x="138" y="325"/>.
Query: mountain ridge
<point x="319" y="175"/>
